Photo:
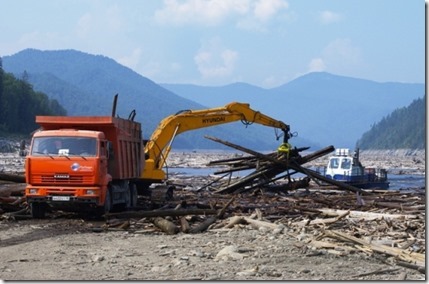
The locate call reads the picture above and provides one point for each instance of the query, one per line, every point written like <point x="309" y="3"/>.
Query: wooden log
<point x="291" y="164"/>
<point x="8" y="189"/>
<point x="410" y="257"/>
<point x="259" y="223"/>
<point x="12" y="177"/>
<point x="210" y="183"/>
<point x="366" y="215"/>
<point x="241" y="183"/>
<point x="184" y="225"/>
<point x="419" y="268"/>
<point x="234" y="220"/>
<point x="166" y="226"/>
<point x="204" y="225"/>
<point x="325" y="221"/>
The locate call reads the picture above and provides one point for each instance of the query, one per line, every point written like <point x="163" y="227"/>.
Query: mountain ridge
<point x="329" y="108"/>
<point x="97" y="79"/>
<point x="323" y="108"/>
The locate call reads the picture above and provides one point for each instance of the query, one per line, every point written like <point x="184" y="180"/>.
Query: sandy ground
<point x="67" y="247"/>
<point x="69" y="250"/>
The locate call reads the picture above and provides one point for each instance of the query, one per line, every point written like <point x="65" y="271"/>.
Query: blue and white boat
<point x="344" y="167"/>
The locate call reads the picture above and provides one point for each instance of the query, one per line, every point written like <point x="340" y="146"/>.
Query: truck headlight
<point x="32" y="190"/>
<point x="90" y="191"/>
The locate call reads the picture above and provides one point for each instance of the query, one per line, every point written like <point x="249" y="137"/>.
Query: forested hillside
<point x="402" y="129"/>
<point x="19" y="104"/>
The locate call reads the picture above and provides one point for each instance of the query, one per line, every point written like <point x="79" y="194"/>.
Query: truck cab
<point x="83" y="164"/>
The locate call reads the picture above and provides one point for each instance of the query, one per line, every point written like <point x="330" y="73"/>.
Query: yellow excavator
<point x="158" y="146"/>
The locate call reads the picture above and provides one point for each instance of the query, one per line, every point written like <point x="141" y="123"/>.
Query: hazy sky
<point x="216" y="42"/>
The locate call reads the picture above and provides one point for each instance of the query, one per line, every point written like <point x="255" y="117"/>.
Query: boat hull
<point x="362" y="181"/>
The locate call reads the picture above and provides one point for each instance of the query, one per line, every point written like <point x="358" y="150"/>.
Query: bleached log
<point x="410" y="257"/>
<point x="369" y="216"/>
<point x="325" y="221"/>
<point x="166" y="226"/>
<point x="234" y="220"/>
<point x="259" y="223"/>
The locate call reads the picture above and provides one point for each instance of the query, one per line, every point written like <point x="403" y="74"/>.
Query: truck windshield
<point x="64" y="146"/>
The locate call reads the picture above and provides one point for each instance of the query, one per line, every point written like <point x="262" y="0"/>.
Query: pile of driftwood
<point x="340" y="220"/>
<point x="390" y="223"/>
<point x="12" y="199"/>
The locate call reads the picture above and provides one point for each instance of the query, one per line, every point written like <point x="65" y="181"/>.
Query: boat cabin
<point x="342" y="165"/>
<point x="347" y="168"/>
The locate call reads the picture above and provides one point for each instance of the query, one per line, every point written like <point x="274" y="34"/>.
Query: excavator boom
<point x="159" y="145"/>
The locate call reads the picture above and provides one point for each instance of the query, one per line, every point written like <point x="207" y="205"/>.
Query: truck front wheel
<point x="38" y="210"/>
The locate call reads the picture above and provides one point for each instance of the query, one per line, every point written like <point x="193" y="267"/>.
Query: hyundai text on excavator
<point x="97" y="163"/>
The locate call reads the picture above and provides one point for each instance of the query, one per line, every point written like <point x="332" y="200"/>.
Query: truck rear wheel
<point x="38" y="210"/>
<point x="134" y="195"/>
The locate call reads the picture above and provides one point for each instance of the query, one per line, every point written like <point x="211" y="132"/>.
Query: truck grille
<point x="52" y="180"/>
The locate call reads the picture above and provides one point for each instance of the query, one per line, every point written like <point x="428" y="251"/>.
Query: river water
<point x="397" y="182"/>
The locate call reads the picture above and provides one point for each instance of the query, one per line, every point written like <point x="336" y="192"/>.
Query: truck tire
<point x="38" y="210"/>
<point x="107" y="202"/>
<point x="134" y="195"/>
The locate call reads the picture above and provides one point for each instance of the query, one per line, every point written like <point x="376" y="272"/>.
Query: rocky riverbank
<point x="297" y="235"/>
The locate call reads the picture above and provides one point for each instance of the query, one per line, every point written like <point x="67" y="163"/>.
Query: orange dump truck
<point x="83" y="162"/>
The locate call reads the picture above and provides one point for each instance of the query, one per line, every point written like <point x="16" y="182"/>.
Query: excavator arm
<point x="159" y="145"/>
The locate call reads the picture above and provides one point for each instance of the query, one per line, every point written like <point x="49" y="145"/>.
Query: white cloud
<point x="327" y="17"/>
<point x="113" y="18"/>
<point x="341" y="52"/>
<point x="339" y="56"/>
<point x="131" y="60"/>
<point x="105" y="22"/>
<point x="208" y="12"/>
<point x="214" y="12"/>
<point x="316" y="65"/>
<point x="214" y="61"/>
<point x="265" y="9"/>
<point x="84" y="25"/>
